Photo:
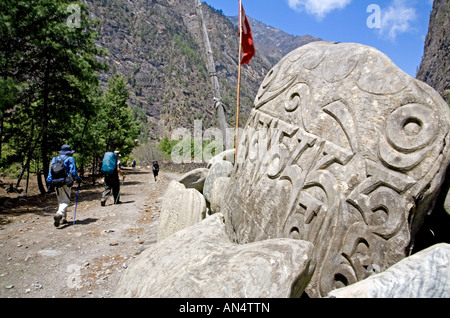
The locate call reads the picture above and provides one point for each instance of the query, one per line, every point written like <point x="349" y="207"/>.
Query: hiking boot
<point x="57" y="218"/>
<point x="118" y="202"/>
<point x="102" y="203"/>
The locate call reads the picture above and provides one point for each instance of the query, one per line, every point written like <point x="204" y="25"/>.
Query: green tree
<point x="52" y="64"/>
<point x="115" y="119"/>
<point x="113" y="126"/>
<point x="8" y="96"/>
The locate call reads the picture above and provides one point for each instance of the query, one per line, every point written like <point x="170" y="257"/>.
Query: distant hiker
<point x="155" y="169"/>
<point x="133" y="164"/>
<point x="110" y="169"/>
<point x="62" y="174"/>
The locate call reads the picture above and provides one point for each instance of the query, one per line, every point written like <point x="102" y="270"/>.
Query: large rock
<point x="422" y="275"/>
<point x="342" y="149"/>
<point x="180" y="209"/>
<point x="220" y="168"/>
<point x="201" y="261"/>
<point x="447" y="203"/>
<point x="218" y="190"/>
<point x="194" y="179"/>
<point x="227" y="155"/>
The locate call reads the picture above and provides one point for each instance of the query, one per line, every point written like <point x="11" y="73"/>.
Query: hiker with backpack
<point x="110" y="170"/>
<point x="62" y="174"/>
<point x="155" y="169"/>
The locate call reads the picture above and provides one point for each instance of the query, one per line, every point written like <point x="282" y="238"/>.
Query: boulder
<point x="344" y="150"/>
<point x="227" y="155"/>
<point x="201" y="262"/>
<point x="217" y="193"/>
<point x="194" y="179"/>
<point x="425" y="274"/>
<point x="180" y="209"/>
<point x="447" y="203"/>
<point x="220" y="168"/>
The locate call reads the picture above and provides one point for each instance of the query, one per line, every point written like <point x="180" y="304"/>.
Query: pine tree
<point x="113" y="127"/>
<point x="116" y="118"/>
<point x="49" y="59"/>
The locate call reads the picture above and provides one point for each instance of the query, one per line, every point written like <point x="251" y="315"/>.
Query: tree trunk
<point x="24" y="167"/>
<point x="39" y="182"/>
<point x="212" y="72"/>
<point x="82" y="147"/>
<point x="28" y="178"/>
<point x="44" y="143"/>
<point x="29" y="155"/>
<point x="1" y="133"/>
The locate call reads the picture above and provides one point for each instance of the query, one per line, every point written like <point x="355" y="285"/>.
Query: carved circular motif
<point x="297" y="96"/>
<point x="411" y="127"/>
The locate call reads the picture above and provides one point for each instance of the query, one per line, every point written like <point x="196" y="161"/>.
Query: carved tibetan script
<point x="340" y="150"/>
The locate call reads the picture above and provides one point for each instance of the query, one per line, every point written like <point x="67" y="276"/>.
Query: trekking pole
<point x="76" y="203"/>
<point x="118" y="194"/>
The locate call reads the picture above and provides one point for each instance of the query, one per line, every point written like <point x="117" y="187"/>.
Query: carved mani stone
<point x="202" y="262"/>
<point x="342" y="149"/>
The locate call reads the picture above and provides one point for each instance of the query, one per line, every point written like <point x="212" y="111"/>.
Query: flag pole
<point x="239" y="81"/>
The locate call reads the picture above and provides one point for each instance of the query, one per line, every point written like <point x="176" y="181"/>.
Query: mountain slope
<point x="273" y="44"/>
<point x="157" y="45"/>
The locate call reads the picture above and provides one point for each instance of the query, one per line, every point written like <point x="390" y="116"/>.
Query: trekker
<point x="62" y="174"/>
<point x="119" y="164"/>
<point x="111" y="171"/>
<point x="155" y="169"/>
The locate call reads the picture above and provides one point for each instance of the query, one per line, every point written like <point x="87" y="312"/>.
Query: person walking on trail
<point x="110" y="169"/>
<point x="155" y="170"/>
<point x="62" y="174"/>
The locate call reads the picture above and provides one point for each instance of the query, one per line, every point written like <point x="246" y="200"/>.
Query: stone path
<point x="81" y="260"/>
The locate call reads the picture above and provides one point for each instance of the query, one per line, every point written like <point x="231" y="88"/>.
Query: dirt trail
<point x="82" y="260"/>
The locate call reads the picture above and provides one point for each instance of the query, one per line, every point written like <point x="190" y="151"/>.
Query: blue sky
<point x="395" y="27"/>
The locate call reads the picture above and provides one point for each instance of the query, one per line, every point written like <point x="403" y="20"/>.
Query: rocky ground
<point x="85" y="259"/>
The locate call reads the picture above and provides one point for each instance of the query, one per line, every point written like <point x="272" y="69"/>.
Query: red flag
<point x="248" y="47"/>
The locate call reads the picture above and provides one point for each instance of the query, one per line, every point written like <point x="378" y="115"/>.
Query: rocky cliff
<point x="435" y="71"/>
<point x="435" y="67"/>
<point x="157" y="45"/>
<point x="273" y="44"/>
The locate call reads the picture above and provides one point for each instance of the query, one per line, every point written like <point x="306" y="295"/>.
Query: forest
<point x="50" y="93"/>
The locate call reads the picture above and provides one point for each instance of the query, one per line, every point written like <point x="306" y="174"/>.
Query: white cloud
<point x="318" y="8"/>
<point x="397" y="18"/>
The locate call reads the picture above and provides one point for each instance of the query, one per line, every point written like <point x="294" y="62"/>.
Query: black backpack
<point x="59" y="172"/>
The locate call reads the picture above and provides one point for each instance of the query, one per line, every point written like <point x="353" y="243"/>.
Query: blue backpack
<point x="109" y="163"/>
